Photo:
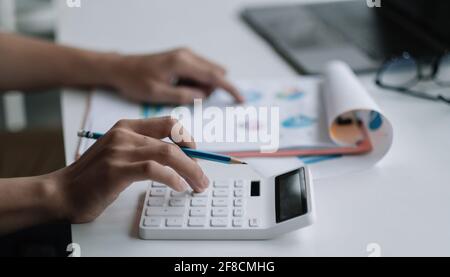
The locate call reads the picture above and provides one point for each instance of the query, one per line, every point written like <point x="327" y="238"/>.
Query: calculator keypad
<point x="221" y="206"/>
<point x="199" y="202"/>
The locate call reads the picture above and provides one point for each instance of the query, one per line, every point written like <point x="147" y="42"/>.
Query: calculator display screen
<point x="290" y="195"/>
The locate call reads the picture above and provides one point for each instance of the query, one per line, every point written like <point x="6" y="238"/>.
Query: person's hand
<point x="175" y="77"/>
<point x="131" y="151"/>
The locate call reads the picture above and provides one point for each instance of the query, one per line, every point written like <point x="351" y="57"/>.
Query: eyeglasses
<point x="404" y="73"/>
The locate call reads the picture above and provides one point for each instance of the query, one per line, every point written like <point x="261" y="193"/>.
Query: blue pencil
<point x="193" y="153"/>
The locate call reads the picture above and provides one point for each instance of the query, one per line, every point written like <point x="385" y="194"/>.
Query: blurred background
<point x="30" y="123"/>
<point x="31" y="140"/>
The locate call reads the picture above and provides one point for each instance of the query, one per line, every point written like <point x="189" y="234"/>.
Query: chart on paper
<point x="300" y="121"/>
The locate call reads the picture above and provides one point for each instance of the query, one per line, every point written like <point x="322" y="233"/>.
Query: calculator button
<point x="167" y="211"/>
<point x="219" y="222"/>
<point x="177" y="194"/>
<point x="174" y="222"/>
<point x="222" y="184"/>
<point x="197" y="222"/>
<point x="253" y="222"/>
<point x="219" y="212"/>
<point x="238" y="222"/>
<point x="238" y="212"/>
<point x="152" y="221"/>
<point x="220" y="202"/>
<point x="200" y="194"/>
<point x="158" y="185"/>
<point x="199" y="202"/>
<point x="155" y="201"/>
<point x="239" y="184"/>
<point x="197" y="212"/>
<point x="220" y="193"/>
<point x="238" y="192"/>
<point x="177" y="202"/>
<point x="158" y="192"/>
<point x="239" y="202"/>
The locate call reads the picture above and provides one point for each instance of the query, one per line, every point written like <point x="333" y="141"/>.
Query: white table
<point x="402" y="204"/>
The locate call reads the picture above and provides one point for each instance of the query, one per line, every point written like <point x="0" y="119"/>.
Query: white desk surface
<point x="403" y="203"/>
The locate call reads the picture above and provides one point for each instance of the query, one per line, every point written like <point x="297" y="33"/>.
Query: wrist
<point x="29" y="201"/>
<point x="108" y="67"/>
<point x="117" y="69"/>
<point x="51" y="194"/>
<point x="91" y="69"/>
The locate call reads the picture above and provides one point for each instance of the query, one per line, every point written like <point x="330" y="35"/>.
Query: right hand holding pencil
<point x="131" y="151"/>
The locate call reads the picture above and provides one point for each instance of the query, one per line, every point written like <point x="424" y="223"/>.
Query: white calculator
<point x="230" y="209"/>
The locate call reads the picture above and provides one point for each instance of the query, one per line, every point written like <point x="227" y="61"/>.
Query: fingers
<point x="123" y="135"/>
<point x="209" y="77"/>
<point x="152" y="170"/>
<point x="138" y="141"/>
<point x="221" y="82"/>
<point x="183" y="95"/>
<point x="206" y="89"/>
<point x="158" y="128"/>
<point x="171" y="155"/>
<point x="189" y="65"/>
<point x="209" y="63"/>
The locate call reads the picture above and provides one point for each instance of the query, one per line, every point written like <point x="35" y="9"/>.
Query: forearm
<point x="29" y="64"/>
<point x="25" y="202"/>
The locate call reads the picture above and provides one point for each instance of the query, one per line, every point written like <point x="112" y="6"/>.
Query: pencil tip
<point x="236" y="161"/>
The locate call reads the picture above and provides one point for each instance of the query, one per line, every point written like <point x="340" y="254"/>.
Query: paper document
<point x="314" y="113"/>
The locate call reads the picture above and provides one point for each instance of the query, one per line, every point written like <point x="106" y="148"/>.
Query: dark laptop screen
<point x="433" y="15"/>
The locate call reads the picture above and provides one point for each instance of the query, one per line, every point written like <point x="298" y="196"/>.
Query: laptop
<point x="308" y="36"/>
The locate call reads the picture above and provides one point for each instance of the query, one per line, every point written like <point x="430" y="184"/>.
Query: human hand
<point x="174" y="77"/>
<point x="131" y="151"/>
